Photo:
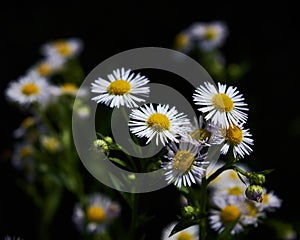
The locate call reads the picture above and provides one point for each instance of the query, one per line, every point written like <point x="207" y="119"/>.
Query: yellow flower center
<point x="230" y="214"/>
<point x="222" y="102"/>
<point x="236" y="190"/>
<point x="265" y="198"/>
<point x="250" y="207"/>
<point x="96" y="214"/>
<point x="181" y="40"/>
<point x="69" y="88"/>
<point x="185" y="236"/>
<point x="30" y="89"/>
<point x="119" y="87"/>
<point x="44" y="69"/>
<point x="234" y="135"/>
<point x="159" y="122"/>
<point x="25" y="151"/>
<point x="63" y="47"/>
<point x="183" y="161"/>
<point x="200" y="134"/>
<point x="211" y="33"/>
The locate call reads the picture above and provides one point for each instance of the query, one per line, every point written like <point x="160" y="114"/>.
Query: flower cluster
<point x="219" y="197"/>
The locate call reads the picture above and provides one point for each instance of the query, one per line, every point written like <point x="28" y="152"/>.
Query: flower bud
<point x="257" y="179"/>
<point x="108" y="140"/>
<point x="101" y="145"/>
<point x="255" y="192"/>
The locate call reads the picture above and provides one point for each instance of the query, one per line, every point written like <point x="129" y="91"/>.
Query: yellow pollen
<point x="69" y="88"/>
<point x="181" y="40"/>
<point x="230" y="214"/>
<point x="234" y="135"/>
<point x="211" y="33"/>
<point x="25" y="151"/>
<point x="96" y="214"/>
<point x="250" y="207"/>
<point x="183" y="161"/>
<point x="159" y="122"/>
<point x="265" y="198"/>
<point x="185" y="236"/>
<point x="119" y="87"/>
<point x="200" y="134"/>
<point x="62" y="47"/>
<point x="44" y="69"/>
<point x="30" y="89"/>
<point x="222" y="102"/>
<point x="236" y="190"/>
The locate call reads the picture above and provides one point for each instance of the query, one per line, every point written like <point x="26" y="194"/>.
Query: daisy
<point x="186" y="165"/>
<point x="190" y="233"/>
<point x="63" y="48"/>
<point x="205" y="132"/>
<point x="122" y="88"/>
<point x="96" y="215"/>
<point x="183" y="41"/>
<point x="48" y="66"/>
<point x="69" y="89"/>
<point x="241" y="211"/>
<point x="238" y="138"/>
<point x="163" y="122"/>
<point x="224" y="106"/>
<point x="29" y="89"/>
<point x="209" y="36"/>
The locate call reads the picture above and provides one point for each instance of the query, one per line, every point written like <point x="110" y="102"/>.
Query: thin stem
<point x="202" y="206"/>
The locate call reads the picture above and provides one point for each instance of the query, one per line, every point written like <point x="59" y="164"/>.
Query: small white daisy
<point x="96" y="215"/>
<point x="47" y="66"/>
<point x="209" y="36"/>
<point x="64" y="48"/>
<point x="190" y="233"/>
<point x="183" y="41"/>
<point x="122" y="88"/>
<point x="29" y="89"/>
<point x="238" y="138"/>
<point x="224" y="106"/>
<point x="50" y="143"/>
<point x="229" y="210"/>
<point x="205" y="132"/>
<point x="163" y="122"/>
<point x="69" y="89"/>
<point x="186" y="165"/>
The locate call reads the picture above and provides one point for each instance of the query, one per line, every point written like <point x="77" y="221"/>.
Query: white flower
<point x="163" y="122"/>
<point x="237" y="137"/>
<point x="224" y="106"/>
<point x="97" y="215"/>
<point x="47" y="66"/>
<point x="122" y="88"/>
<point x="238" y="210"/>
<point x="64" y="48"/>
<point x="205" y="132"/>
<point x="190" y="233"/>
<point x="186" y="165"/>
<point x="183" y="41"/>
<point x="209" y="36"/>
<point x="29" y="89"/>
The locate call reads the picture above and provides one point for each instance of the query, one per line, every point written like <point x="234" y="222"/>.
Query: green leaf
<point x="119" y="161"/>
<point x="266" y="171"/>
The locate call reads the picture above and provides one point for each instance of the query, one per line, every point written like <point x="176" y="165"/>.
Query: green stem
<point x="202" y="207"/>
<point x="134" y="216"/>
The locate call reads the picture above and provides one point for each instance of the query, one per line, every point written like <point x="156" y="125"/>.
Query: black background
<point x="264" y="35"/>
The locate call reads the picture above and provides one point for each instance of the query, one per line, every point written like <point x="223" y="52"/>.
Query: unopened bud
<point x="255" y="192"/>
<point x="257" y="179"/>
